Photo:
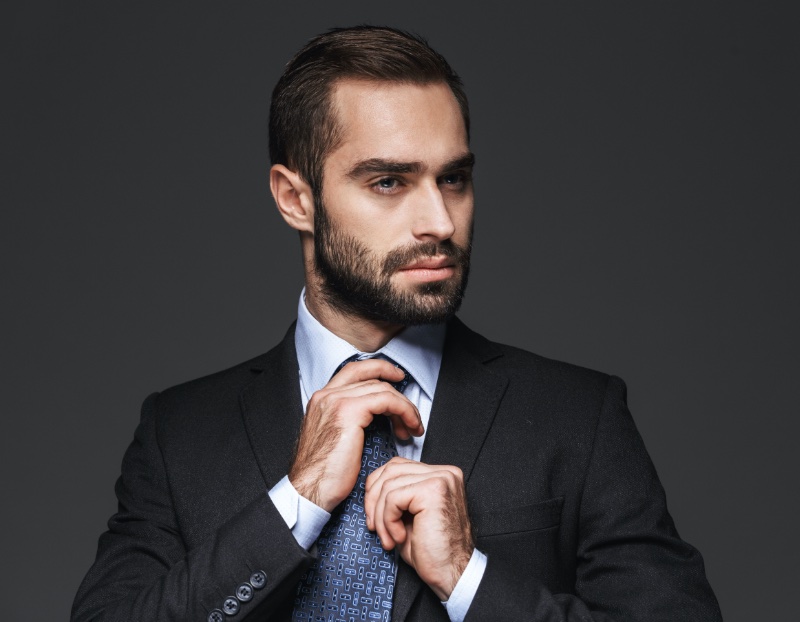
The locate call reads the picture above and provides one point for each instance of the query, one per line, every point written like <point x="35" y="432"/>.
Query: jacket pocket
<point x="537" y="516"/>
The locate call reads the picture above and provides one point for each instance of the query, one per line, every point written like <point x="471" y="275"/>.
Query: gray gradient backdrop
<point x="637" y="192"/>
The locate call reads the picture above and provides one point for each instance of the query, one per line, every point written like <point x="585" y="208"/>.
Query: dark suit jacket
<point x="563" y="497"/>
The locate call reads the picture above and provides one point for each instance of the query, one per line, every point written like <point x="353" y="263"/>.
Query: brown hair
<point x="302" y="127"/>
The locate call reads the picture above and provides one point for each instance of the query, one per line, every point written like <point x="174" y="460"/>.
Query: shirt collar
<point x="320" y="352"/>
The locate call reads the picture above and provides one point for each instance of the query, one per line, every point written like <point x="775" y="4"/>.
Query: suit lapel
<point x="467" y="397"/>
<point x="273" y="411"/>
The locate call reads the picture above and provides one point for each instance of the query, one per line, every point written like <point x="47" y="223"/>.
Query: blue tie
<point x="353" y="578"/>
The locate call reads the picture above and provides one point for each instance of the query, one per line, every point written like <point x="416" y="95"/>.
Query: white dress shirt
<point x="418" y="349"/>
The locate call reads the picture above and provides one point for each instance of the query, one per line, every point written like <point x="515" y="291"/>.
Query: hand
<point x="422" y="510"/>
<point x="328" y="455"/>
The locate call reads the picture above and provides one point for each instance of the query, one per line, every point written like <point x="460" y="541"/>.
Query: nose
<point x="432" y="220"/>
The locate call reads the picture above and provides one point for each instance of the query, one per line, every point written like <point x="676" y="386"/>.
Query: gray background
<point x="637" y="197"/>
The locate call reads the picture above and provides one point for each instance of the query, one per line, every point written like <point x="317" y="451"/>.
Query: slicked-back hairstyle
<point x="303" y="127"/>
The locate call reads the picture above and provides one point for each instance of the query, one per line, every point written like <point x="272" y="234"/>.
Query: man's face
<point x="393" y="227"/>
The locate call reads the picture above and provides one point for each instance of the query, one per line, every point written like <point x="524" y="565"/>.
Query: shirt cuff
<point x="464" y="592"/>
<point x="303" y="517"/>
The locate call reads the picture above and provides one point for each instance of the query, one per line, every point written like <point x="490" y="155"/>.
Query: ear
<point x="293" y="197"/>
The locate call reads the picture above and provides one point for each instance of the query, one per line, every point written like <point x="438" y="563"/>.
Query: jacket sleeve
<point x="143" y="570"/>
<point x="631" y="563"/>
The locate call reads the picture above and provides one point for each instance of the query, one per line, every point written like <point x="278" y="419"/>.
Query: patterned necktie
<point x="353" y="578"/>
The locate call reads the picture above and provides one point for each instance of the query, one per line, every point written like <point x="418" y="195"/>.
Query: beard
<point x="356" y="281"/>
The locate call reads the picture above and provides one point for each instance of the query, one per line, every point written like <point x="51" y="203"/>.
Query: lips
<point x="429" y="270"/>
<point x="432" y="263"/>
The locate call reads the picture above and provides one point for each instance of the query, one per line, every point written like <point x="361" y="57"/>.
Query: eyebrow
<point x="374" y="166"/>
<point x="465" y="161"/>
<point x="379" y="165"/>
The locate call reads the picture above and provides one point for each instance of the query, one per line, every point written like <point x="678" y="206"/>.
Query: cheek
<point x="379" y="222"/>
<point x="349" y="212"/>
<point x="377" y="228"/>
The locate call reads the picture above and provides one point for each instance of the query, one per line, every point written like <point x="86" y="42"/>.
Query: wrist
<point x="460" y="601"/>
<point x="308" y="489"/>
<point x="444" y="589"/>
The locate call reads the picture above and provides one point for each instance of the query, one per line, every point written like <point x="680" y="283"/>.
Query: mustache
<point x="399" y="257"/>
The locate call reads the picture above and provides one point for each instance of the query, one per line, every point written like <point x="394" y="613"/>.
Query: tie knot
<point x="400" y="385"/>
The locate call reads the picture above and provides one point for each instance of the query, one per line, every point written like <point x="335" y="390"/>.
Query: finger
<point x="369" y="369"/>
<point x="393" y="468"/>
<point x="360" y="404"/>
<point x="364" y="407"/>
<point x="411" y="499"/>
<point x="373" y="486"/>
<point x="379" y="525"/>
<point x="376" y="498"/>
<point x="402" y="427"/>
<point x="397" y="460"/>
<point x="437" y="484"/>
<point x="405" y="417"/>
<point x="400" y="466"/>
<point x="358" y="388"/>
<point x="401" y="430"/>
<point x="396" y="468"/>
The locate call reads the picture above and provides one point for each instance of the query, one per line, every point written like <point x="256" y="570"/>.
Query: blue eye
<point x="386" y="185"/>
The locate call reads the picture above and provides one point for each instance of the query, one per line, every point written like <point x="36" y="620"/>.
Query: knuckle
<point x="440" y="485"/>
<point x="323" y="400"/>
<point x="455" y="478"/>
<point x="329" y="404"/>
<point x="316" y="398"/>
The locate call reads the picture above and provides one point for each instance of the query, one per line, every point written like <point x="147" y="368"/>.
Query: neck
<point x="365" y="335"/>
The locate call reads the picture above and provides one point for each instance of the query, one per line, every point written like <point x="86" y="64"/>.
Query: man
<point x="520" y="489"/>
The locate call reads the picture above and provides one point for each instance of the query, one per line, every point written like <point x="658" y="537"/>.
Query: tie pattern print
<point x="353" y="577"/>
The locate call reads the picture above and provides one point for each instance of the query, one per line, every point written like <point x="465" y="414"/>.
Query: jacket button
<point x="230" y="606"/>
<point x="216" y="616"/>
<point x="258" y="579"/>
<point x="244" y="592"/>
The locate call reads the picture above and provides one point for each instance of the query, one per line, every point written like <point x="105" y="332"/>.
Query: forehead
<point x="397" y="121"/>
